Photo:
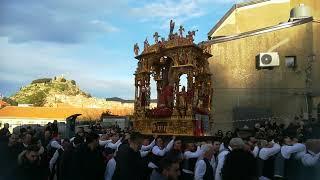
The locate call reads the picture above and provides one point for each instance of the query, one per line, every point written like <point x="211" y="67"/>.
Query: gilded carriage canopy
<point x="177" y="106"/>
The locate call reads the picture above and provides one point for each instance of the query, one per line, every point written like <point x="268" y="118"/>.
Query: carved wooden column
<point x="136" y="93"/>
<point x="159" y="87"/>
<point x="175" y="97"/>
<point x="147" y="87"/>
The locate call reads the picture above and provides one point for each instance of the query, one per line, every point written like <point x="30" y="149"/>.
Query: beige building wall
<point x="316" y="72"/>
<point x="238" y="83"/>
<point x="255" y="16"/>
<point x="261" y="15"/>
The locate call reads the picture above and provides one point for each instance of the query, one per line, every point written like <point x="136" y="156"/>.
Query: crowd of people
<point x="272" y="151"/>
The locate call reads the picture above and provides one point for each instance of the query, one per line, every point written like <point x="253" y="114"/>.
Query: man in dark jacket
<point x="169" y="169"/>
<point x="4" y="132"/>
<point x="128" y="159"/>
<point x="64" y="166"/>
<point x="239" y="164"/>
<point x="88" y="160"/>
<point x="29" y="167"/>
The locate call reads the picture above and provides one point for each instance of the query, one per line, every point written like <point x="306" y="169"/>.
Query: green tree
<point x="73" y="82"/>
<point x="61" y="87"/>
<point x="63" y="80"/>
<point x="10" y="101"/>
<point x="42" y="80"/>
<point x="39" y="99"/>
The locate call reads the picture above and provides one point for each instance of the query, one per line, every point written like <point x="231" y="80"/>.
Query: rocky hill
<point x="40" y="91"/>
<point x="60" y="92"/>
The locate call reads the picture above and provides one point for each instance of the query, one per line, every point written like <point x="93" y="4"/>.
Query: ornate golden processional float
<point x="180" y="110"/>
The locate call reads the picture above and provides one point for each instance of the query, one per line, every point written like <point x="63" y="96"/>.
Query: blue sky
<point x="90" y="41"/>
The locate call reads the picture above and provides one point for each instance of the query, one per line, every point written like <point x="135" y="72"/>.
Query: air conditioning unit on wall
<point x="270" y="59"/>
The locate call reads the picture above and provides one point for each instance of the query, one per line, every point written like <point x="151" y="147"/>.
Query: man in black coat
<point x="4" y="132"/>
<point x="128" y="159"/>
<point x="88" y="160"/>
<point x="239" y="164"/>
<point x="29" y="166"/>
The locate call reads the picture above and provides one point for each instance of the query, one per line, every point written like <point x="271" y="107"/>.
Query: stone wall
<point x="237" y="82"/>
<point x="115" y="107"/>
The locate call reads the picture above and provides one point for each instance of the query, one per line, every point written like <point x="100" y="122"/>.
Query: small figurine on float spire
<point x="156" y="37"/>
<point x="136" y="49"/>
<point x="181" y="30"/>
<point x="171" y="27"/>
<point x="191" y="34"/>
<point x="146" y="44"/>
<point x="161" y="43"/>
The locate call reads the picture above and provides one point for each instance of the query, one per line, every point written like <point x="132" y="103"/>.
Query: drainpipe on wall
<point x="309" y="85"/>
<point x="307" y="104"/>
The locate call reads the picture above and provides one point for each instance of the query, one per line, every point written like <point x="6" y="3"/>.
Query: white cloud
<point x="161" y="11"/>
<point x="22" y="63"/>
<point x="47" y="38"/>
<point x="164" y="9"/>
<point x="104" y="26"/>
<point x="56" y="21"/>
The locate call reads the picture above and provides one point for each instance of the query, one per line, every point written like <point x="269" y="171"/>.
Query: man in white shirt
<point x="191" y="155"/>
<point x="214" y="159"/>
<point x="269" y="150"/>
<point x="54" y="161"/>
<point x="113" y="143"/>
<point x="146" y="146"/>
<point x="266" y="155"/>
<point x="111" y="164"/>
<point x="158" y="151"/>
<point x="282" y="162"/>
<point x="203" y="169"/>
<point x="311" y="160"/>
<point x="290" y="148"/>
<point x="221" y="158"/>
<point x="111" y="167"/>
